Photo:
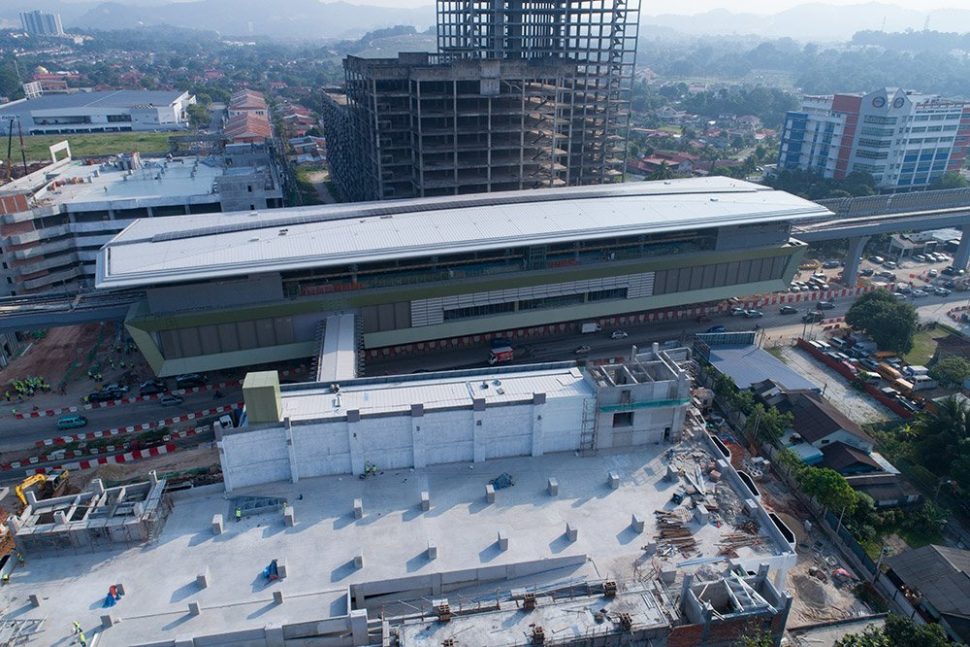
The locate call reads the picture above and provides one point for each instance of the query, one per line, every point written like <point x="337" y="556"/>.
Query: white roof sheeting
<point x="447" y="390"/>
<point x="338" y="358"/>
<point x="193" y="248"/>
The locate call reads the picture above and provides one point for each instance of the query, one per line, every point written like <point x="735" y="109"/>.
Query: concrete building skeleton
<point x="521" y="94"/>
<point x="54" y="221"/>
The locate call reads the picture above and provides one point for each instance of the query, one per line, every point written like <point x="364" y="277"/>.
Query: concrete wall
<point x="413" y="439"/>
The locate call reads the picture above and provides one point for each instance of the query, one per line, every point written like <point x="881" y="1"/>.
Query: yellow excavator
<point x="49" y="487"/>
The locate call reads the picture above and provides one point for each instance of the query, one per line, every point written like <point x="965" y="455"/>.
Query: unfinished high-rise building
<point x="521" y="94"/>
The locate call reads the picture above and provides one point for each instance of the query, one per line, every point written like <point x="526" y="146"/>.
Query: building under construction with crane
<point x="521" y="94"/>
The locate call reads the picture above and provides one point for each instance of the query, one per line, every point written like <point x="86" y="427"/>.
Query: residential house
<point x="936" y="581"/>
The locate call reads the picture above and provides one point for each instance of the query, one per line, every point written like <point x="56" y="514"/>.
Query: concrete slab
<point x="160" y="577"/>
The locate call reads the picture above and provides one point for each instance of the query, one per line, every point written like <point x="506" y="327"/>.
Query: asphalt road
<point x="17" y="434"/>
<point x="775" y="325"/>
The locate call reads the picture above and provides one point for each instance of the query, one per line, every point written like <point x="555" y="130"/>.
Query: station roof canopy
<point x="196" y="248"/>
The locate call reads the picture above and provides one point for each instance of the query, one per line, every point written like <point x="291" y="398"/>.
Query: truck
<point x="501" y="355"/>
<point x="590" y="327"/>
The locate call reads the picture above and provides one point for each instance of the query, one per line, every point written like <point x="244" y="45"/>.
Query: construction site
<point x="520" y="95"/>
<point x="611" y="529"/>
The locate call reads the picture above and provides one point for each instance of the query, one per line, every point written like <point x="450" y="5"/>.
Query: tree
<point x="755" y="638"/>
<point x="767" y="424"/>
<point x="939" y="436"/>
<point x="871" y="637"/>
<point x="198" y="115"/>
<point x="951" y="180"/>
<point x="951" y="370"/>
<point x="889" y="322"/>
<point x="897" y="632"/>
<point x="828" y="487"/>
<point x="663" y="172"/>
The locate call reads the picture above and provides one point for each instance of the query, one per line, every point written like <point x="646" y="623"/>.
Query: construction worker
<point x="82" y="639"/>
<point x="77" y="627"/>
<point x="20" y="558"/>
<point x="5" y="579"/>
<point x="238" y="515"/>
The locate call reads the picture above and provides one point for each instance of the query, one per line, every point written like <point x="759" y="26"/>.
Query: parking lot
<point x="911" y="278"/>
<point x="858" y="406"/>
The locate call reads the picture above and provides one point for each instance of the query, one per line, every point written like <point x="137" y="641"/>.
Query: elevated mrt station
<point x="240" y="289"/>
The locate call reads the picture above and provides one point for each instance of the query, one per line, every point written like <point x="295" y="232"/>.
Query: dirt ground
<point x="53" y="356"/>
<point x="818" y="595"/>
<point x="203" y="456"/>
<point x="64" y="355"/>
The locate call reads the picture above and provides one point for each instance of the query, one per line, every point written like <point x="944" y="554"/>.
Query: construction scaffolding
<point x="521" y="94"/>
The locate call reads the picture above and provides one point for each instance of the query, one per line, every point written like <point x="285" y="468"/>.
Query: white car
<point x="917" y="293"/>
<point x="941" y="292"/>
<point x="619" y="334"/>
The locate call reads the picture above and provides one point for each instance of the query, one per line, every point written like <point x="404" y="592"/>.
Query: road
<point x="775" y="325"/>
<point x="18" y="434"/>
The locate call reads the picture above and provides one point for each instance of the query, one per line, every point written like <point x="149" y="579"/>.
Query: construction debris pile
<point x="699" y="499"/>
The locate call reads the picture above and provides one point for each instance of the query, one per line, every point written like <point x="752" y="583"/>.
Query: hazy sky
<point x="653" y="7"/>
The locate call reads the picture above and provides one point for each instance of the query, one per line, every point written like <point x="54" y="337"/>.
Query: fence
<point x="839" y="367"/>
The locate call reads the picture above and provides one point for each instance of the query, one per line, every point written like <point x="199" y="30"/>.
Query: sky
<point x="652" y="7"/>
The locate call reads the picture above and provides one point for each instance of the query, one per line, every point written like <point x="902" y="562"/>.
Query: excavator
<point x="49" y="487"/>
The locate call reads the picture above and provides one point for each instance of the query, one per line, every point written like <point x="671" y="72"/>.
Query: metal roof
<point x="940" y="573"/>
<point x="748" y="365"/>
<point x="192" y="248"/>
<point x="95" y="100"/>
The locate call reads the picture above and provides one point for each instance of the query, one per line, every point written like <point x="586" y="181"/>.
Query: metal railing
<point x="874" y="205"/>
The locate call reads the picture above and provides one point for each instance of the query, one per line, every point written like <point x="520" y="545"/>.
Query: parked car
<point x="949" y="284"/>
<point x="189" y="380"/>
<point x="71" y="421"/>
<point x="106" y="395"/>
<point x="919" y="258"/>
<point x="941" y="292"/>
<point x="788" y="310"/>
<point x="890" y="265"/>
<point x="714" y="329"/>
<point x="170" y="400"/>
<point x="582" y="350"/>
<point x="878" y="260"/>
<point x="831" y="263"/>
<point x="151" y="387"/>
<point x="932" y="274"/>
<point x="949" y="270"/>
<point x="753" y="314"/>
<point x="619" y="334"/>
<point x="868" y="271"/>
<point x="825" y="305"/>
